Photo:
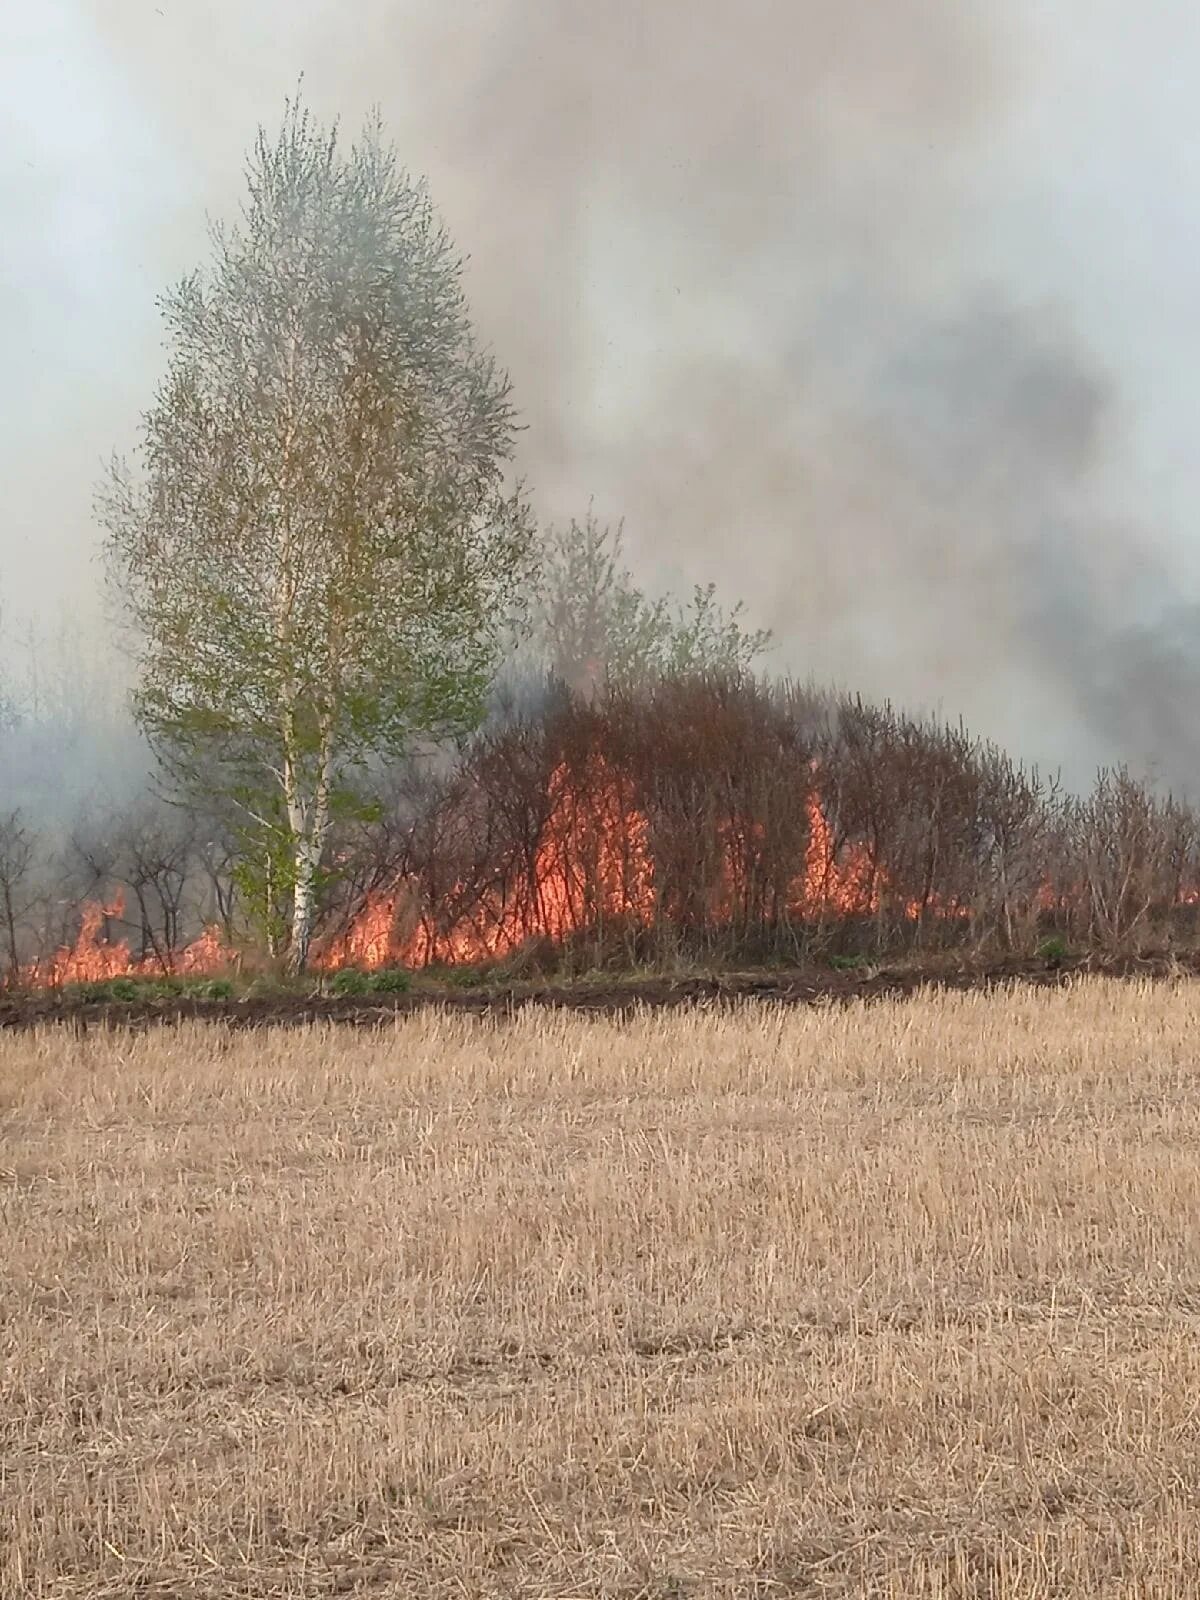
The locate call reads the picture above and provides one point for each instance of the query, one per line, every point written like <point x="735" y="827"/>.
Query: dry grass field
<point x="889" y="1300"/>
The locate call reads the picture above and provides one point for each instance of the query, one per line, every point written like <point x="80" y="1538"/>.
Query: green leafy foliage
<point x="215" y="989"/>
<point x="320" y="555"/>
<point x="129" y="989"/>
<point x="350" y="981"/>
<point x="465" y="977"/>
<point x="391" y="980"/>
<point x="264" y="873"/>
<point x="353" y="981"/>
<point x="103" y="990"/>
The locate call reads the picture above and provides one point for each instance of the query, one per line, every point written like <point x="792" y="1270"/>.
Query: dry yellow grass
<point x="894" y="1301"/>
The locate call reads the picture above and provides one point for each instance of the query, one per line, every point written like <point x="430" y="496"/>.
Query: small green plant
<point x="102" y="990"/>
<point x="349" y="980"/>
<point x="264" y="986"/>
<point x="215" y="989"/>
<point x="1053" y="949"/>
<point x="164" y="988"/>
<point x="390" y="980"/>
<point x="847" y="963"/>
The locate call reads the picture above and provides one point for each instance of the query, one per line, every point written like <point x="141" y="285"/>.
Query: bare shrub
<point x="18" y="854"/>
<point x="1133" y="858"/>
<point x="690" y="817"/>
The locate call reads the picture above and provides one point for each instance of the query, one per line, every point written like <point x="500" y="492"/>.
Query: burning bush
<point x="721" y="818"/>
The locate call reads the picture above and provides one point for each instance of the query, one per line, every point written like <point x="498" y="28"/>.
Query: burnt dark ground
<point x="609" y="996"/>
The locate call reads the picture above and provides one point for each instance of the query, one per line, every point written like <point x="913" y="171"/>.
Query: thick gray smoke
<point x="820" y="297"/>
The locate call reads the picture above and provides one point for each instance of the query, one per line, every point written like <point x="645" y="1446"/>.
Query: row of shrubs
<point x="946" y="841"/>
<point x="702" y="785"/>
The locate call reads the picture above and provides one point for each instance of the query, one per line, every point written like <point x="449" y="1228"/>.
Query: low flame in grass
<point x="593" y="866"/>
<point x="94" y="957"/>
<point x="368" y="941"/>
<point x="90" y="957"/>
<point x="846" y="885"/>
<point x="206" y="956"/>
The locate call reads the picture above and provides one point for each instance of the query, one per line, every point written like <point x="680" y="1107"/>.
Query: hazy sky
<point x="883" y="316"/>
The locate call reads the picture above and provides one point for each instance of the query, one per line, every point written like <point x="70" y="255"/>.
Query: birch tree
<point x="318" y="545"/>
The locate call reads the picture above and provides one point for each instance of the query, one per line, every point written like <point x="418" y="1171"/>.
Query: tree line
<point x="359" y="662"/>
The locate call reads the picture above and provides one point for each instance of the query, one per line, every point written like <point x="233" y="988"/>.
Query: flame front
<point x="592" y="869"/>
<point x="848" y="887"/>
<point x="93" y="958"/>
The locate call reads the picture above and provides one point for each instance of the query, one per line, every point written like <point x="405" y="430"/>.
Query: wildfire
<point x="592" y="867"/>
<point x="94" y="957"/>
<point x="90" y="957"/>
<point x="847" y="887"/>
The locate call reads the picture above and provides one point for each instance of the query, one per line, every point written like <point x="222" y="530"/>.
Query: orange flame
<point x="90" y="957"/>
<point x="593" y="864"/>
<point x="592" y="867"/>
<point x="94" y="958"/>
<point x="849" y="887"/>
<point x="207" y="955"/>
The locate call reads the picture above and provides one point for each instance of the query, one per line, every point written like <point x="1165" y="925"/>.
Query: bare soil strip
<point x="613" y="996"/>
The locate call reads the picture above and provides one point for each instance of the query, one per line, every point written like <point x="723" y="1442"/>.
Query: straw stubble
<point x="894" y="1300"/>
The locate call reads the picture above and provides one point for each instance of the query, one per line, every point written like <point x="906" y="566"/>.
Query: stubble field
<point x="899" y="1299"/>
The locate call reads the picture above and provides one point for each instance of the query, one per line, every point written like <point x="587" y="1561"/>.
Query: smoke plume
<point x="809" y="292"/>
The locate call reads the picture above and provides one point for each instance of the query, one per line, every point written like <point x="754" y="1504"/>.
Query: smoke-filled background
<point x="882" y="316"/>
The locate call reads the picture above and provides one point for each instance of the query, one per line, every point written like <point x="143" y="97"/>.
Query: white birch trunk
<point x="308" y="854"/>
<point x="309" y="821"/>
